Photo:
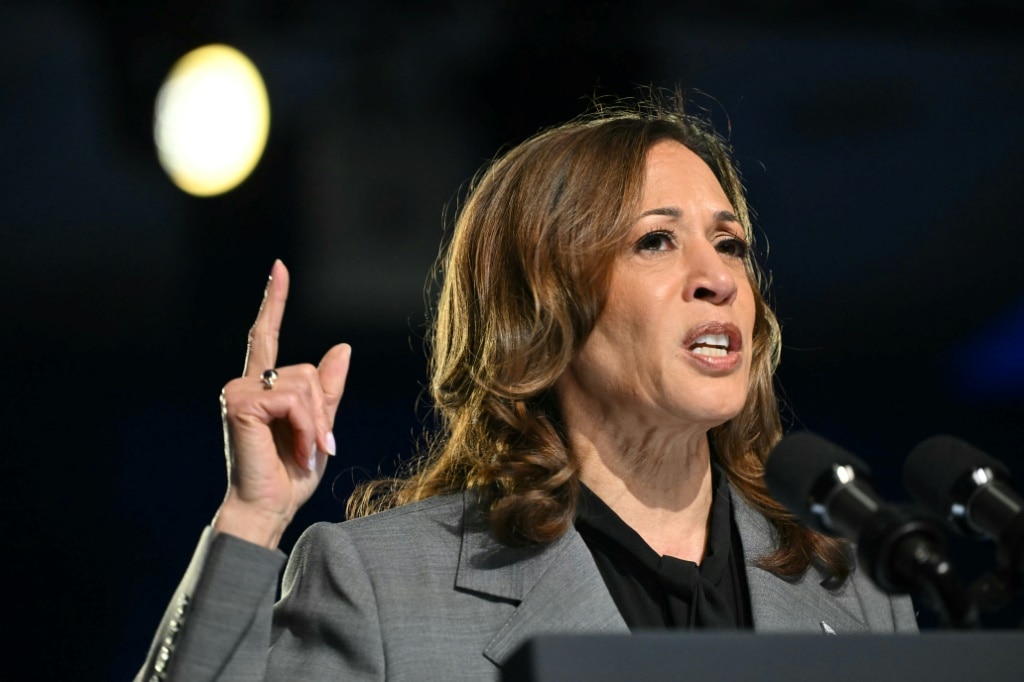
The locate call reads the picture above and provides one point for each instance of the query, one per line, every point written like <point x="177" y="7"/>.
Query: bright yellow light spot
<point x="211" y="121"/>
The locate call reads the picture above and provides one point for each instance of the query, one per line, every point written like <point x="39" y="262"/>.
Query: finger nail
<point x="311" y="462"/>
<point x="332" y="447"/>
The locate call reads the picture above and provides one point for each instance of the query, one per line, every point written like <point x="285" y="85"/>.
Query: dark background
<point x="881" y="143"/>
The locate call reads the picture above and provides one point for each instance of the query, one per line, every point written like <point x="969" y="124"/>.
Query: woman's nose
<point x="709" y="276"/>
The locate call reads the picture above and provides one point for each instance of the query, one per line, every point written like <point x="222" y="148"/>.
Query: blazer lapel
<point x="557" y="586"/>
<point x="810" y="603"/>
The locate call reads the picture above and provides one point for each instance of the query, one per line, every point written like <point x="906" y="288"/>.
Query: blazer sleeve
<point x="326" y="625"/>
<point x="222" y="623"/>
<point x="217" y="626"/>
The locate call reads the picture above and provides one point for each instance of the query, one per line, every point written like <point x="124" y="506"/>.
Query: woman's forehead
<point x="676" y="177"/>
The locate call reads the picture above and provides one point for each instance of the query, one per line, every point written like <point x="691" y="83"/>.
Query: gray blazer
<point x="424" y="592"/>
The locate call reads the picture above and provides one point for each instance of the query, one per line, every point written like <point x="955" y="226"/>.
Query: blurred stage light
<point x="211" y="120"/>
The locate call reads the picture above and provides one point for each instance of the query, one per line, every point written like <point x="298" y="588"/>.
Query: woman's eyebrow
<point x="670" y="211"/>
<point x="726" y="217"/>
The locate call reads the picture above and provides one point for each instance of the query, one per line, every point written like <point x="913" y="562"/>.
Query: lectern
<point x="992" y="656"/>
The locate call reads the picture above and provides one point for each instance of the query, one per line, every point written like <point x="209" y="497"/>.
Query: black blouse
<point x="658" y="592"/>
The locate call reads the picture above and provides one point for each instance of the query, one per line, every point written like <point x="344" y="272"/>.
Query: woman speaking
<point x="601" y="363"/>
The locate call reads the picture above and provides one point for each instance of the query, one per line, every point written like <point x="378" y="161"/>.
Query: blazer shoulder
<point x="428" y="527"/>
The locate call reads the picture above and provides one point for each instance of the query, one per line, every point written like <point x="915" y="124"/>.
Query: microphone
<point x="825" y="486"/>
<point x="828" y="489"/>
<point x="971" y="491"/>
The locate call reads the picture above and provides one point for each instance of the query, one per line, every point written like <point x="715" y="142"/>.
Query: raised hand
<point x="277" y="431"/>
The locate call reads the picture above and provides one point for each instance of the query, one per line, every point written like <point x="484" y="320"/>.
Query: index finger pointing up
<point x="263" y="336"/>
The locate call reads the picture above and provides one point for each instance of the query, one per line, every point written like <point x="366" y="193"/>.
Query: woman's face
<point x="673" y="342"/>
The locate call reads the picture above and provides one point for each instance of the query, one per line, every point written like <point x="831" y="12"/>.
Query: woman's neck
<point x="658" y="481"/>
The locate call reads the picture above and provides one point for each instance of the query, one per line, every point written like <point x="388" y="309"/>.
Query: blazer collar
<point x="557" y="586"/>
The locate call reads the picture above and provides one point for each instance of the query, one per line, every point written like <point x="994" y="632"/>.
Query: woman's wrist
<point x="250" y="522"/>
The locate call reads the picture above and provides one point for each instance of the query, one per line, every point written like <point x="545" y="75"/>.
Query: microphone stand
<point x="931" y="571"/>
<point x="906" y="553"/>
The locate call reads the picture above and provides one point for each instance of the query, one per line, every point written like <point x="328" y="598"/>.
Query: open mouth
<point x="714" y="340"/>
<point x="711" y="345"/>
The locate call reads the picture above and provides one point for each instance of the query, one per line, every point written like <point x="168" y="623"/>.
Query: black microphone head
<point x="798" y="466"/>
<point x="937" y="473"/>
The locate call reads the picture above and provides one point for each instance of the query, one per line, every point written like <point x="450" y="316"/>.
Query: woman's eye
<point x="656" y="241"/>
<point x="733" y="247"/>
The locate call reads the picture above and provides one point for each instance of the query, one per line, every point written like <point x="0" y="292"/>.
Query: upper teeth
<point x="711" y="344"/>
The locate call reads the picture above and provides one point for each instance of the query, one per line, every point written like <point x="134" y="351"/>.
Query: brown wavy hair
<point x="524" y="280"/>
